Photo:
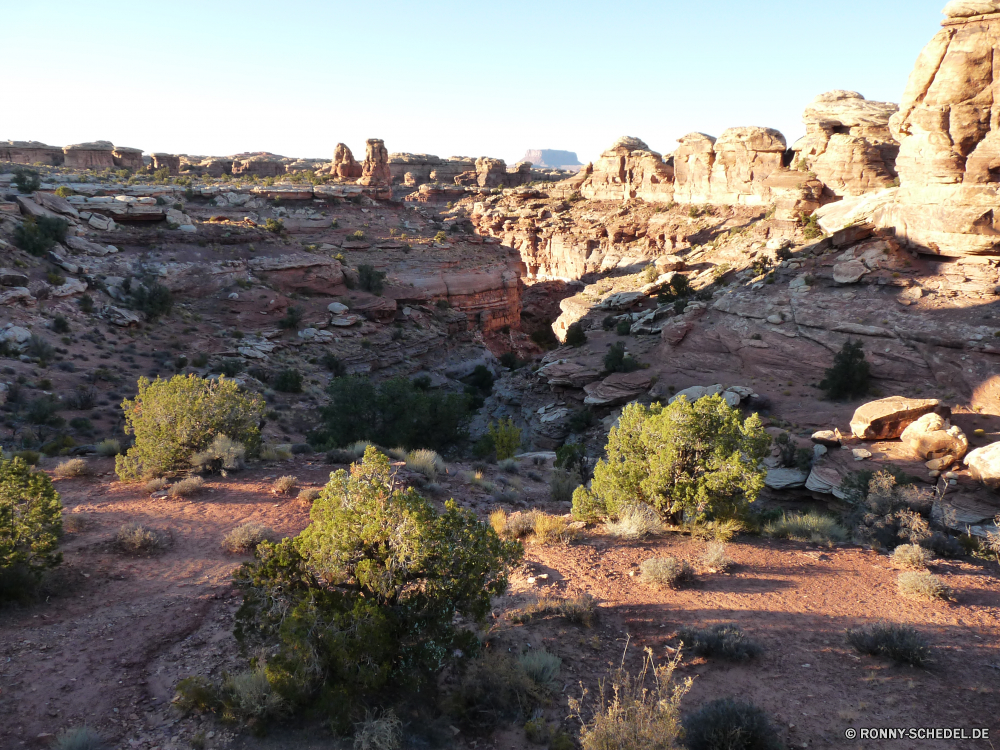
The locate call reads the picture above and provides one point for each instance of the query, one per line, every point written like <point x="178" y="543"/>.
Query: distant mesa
<point x="552" y="158"/>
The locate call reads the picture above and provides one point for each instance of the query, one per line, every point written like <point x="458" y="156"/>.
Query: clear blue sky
<point x="472" y="78"/>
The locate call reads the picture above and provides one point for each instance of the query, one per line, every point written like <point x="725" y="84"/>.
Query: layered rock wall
<point x="629" y="169"/>
<point x="94" y="155"/>
<point x="848" y="144"/>
<point x="31" y="152"/>
<point x="948" y="128"/>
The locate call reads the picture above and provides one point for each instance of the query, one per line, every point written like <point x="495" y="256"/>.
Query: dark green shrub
<point x="87" y="303"/>
<point x="363" y="603"/>
<point x="152" y="299"/>
<point x="581" y="420"/>
<point x="494" y="689"/>
<point x="393" y="412"/>
<point x="573" y="457"/>
<point x="616" y="360"/>
<point x="30" y="527"/>
<point x="38" y="236"/>
<point x="293" y="316"/>
<point x="545" y="337"/>
<point x="288" y="380"/>
<point x="689" y="461"/>
<point x="510" y="360"/>
<point x="200" y="360"/>
<point x="623" y="327"/>
<point x="726" y="641"/>
<point x="26" y="180"/>
<point x="889" y="513"/>
<point x="231" y="367"/>
<point x="80" y="423"/>
<point x="727" y="724"/>
<point x="60" y="324"/>
<point x="371" y="281"/>
<point x="41" y="411"/>
<point x="481" y="380"/>
<point x="275" y="226"/>
<point x="850" y="375"/>
<point x="900" y="643"/>
<point x="810" y="227"/>
<point x="174" y="419"/>
<point x="332" y="363"/>
<point x="575" y="335"/>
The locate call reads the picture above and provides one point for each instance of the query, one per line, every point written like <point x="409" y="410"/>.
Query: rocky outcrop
<point x="493" y="173"/>
<point x="629" y="169"/>
<point x="732" y="170"/>
<point x="344" y="165"/>
<point x="848" y="144"/>
<point x="375" y="168"/>
<point x="128" y="158"/>
<point x="259" y="165"/>
<point x="932" y="436"/>
<point x="886" y="418"/>
<point x="93" y="155"/>
<point x="170" y="162"/>
<point x="31" y="152"/>
<point x="949" y="136"/>
<point x="984" y="465"/>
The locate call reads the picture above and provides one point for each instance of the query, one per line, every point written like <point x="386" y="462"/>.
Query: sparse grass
<point x="498" y="520"/>
<point x="509" y="466"/>
<point x="922" y="586"/>
<point x="635" y="522"/>
<point x="549" y="529"/>
<point x="493" y="689"/>
<point x="155" y="485"/>
<point x="478" y="479"/>
<point x="250" y="696"/>
<point x="74" y="467"/>
<point x="223" y="454"/>
<point x="308" y="494"/>
<point x="562" y="483"/>
<point x="284" y="485"/>
<point x="424" y="461"/>
<point x="666" y="571"/>
<point x="378" y="731"/>
<point x="246" y="537"/>
<point x="726" y="641"/>
<point x="109" y="447"/>
<point x="542" y="667"/>
<point x="807" y="527"/>
<point x="715" y="557"/>
<point x="633" y="715"/>
<point x="900" y="643"/>
<point x="719" y="530"/>
<point x="580" y="610"/>
<point x="727" y="724"/>
<point x="275" y="452"/>
<point x="911" y="557"/>
<point x="134" y="538"/>
<point x="186" y="487"/>
<point x="520" y="525"/>
<point x="79" y="738"/>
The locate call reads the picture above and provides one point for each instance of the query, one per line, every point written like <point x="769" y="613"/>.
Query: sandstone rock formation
<point x="344" y="165"/>
<point x="128" y="158"/>
<point x="375" y="168"/>
<point x="93" y="155"/>
<point x="949" y="154"/>
<point x="493" y="173"/>
<point x="731" y="170"/>
<point x="886" y="418"/>
<point x="31" y="152"/>
<point x="259" y="165"/>
<point x="984" y="465"/>
<point x="170" y="162"/>
<point x="932" y="436"/>
<point x="629" y="169"/>
<point x="848" y="145"/>
<point x="426" y="168"/>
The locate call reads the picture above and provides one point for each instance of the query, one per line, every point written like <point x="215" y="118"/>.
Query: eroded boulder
<point x="932" y="436"/>
<point x="886" y="418"/>
<point x="984" y="465"/>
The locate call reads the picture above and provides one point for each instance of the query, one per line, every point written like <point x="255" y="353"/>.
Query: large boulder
<point x="886" y="418"/>
<point x="785" y="479"/>
<point x="618" y="388"/>
<point x="984" y="465"/>
<point x="932" y="436"/>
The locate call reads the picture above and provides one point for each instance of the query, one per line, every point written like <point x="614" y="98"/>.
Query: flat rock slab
<point x="618" y="388"/>
<point x="886" y="418"/>
<point x="785" y="479"/>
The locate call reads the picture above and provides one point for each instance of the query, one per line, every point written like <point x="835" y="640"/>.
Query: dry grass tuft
<point x="284" y="485"/>
<point x="276" y="452"/>
<point x="424" y="461"/>
<point x="911" y="557"/>
<point x="187" y="487"/>
<point x="308" y="494"/>
<point x="378" y="731"/>
<point x="580" y="610"/>
<point x="666" y="571"/>
<point x="715" y="558"/>
<point x="549" y="529"/>
<point x="74" y="467"/>
<point x="635" y="522"/>
<point x="923" y="586"/>
<point x="246" y="537"/>
<point x="79" y="738"/>
<point x="135" y="538"/>
<point x="807" y="527"/>
<point x="155" y="485"/>
<point x="109" y="447"/>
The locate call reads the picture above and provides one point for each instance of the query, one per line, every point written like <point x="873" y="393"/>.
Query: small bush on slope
<point x="688" y="461"/>
<point x="364" y="601"/>
<point x="30" y="527"/>
<point x="174" y="419"/>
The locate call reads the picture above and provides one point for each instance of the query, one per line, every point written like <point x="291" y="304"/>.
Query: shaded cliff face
<point x="949" y="156"/>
